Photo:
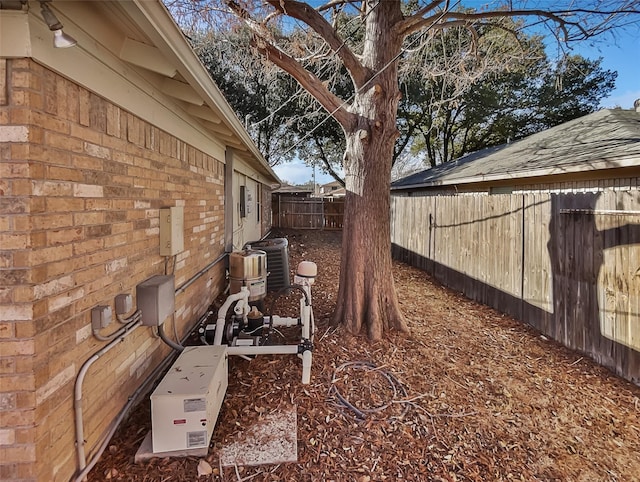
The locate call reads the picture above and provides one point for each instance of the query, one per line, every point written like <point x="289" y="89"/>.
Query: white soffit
<point x="181" y="91"/>
<point x="218" y="128"/>
<point x="147" y="57"/>
<point x="204" y="112"/>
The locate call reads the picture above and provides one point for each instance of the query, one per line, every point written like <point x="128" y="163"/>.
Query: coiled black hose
<point x="362" y="413"/>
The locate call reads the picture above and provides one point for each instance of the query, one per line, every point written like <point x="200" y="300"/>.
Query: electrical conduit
<point x="136" y="321"/>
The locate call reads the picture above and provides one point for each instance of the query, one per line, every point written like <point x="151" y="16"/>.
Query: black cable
<point x="362" y="413"/>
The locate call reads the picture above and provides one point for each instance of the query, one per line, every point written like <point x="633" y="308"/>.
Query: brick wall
<point x="81" y="183"/>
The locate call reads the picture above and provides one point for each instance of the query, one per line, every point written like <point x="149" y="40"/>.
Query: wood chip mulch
<point x="469" y="395"/>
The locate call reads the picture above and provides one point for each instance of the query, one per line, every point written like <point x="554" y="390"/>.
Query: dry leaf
<point x="204" y="468"/>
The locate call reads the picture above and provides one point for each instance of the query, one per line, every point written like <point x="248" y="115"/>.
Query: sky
<point x="620" y="54"/>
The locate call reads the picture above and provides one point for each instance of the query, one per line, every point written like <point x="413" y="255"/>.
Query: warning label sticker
<point x="195" y="405"/>
<point x="196" y="439"/>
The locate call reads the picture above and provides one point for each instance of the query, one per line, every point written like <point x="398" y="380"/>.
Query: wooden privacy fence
<point x="566" y="263"/>
<point x="309" y="213"/>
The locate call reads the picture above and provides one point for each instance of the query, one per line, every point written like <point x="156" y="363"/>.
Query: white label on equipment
<point x="195" y="405"/>
<point x="257" y="288"/>
<point x="196" y="439"/>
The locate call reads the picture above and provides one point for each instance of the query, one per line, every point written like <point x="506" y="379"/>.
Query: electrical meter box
<point x="186" y="403"/>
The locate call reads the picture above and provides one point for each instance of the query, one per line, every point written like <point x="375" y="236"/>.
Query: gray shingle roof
<point x="606" y="139"/>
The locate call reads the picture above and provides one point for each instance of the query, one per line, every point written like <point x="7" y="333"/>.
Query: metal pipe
<point x="133" y="399"/>
<point x="195" y="277"/>
<point x="135" y="317"/>
<point x="77" y="402"/>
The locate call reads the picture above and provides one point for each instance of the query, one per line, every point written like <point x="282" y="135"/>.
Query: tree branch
<point x="303" y="12"/>
<point x="336" y="3"/>
<point x="310" y="82"/>
<point x="332" y="103"/>
<point x="443" y="20"/>
<point x="407" y="26"/>
<point x="327" y="164"/>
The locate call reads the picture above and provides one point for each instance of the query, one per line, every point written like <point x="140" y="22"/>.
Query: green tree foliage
<point x="442" y="117"/>
<point x="281" y="118"/>
<point x="518" y="104"/>
<point x="444" y="122"/>
<point x="260" y="95"/>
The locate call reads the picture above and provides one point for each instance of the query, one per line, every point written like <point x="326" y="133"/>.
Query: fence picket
<point x="567" y="263"/>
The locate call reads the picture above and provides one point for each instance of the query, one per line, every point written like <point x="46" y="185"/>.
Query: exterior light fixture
<point x="60" y="39"/>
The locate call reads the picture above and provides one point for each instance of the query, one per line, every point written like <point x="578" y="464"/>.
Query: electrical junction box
<point x="156" y="299"/>
<point x="101" y="316"/>
<point x="171" y="231"/>
<point x="186" y="403"/>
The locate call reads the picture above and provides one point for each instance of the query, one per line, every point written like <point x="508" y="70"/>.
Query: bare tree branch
<point x="415" y="23"/>
<point x="407" y="25"/>
<point x="325" y="160"/>
<point x="336" y="3"/>
<point x="306" y="79"/>
<point x="303" y="12"/>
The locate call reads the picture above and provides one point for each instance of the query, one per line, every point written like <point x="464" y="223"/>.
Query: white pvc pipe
<point x="263" y="350"/>
<point x="304" y="314"/>
<point x="282" y="321"/>
<point x="306" y="367"/>
<point x="222" y="312"/>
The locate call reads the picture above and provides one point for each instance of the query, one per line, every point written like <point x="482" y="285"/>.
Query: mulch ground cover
<point x="469" y="395"/>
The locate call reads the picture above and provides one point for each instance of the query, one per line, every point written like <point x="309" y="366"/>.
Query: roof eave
<point x="160" y="26"/>
<point x="603" y="164"/>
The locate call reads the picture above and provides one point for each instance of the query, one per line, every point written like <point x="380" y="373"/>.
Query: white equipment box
<point x="186" y="403"/>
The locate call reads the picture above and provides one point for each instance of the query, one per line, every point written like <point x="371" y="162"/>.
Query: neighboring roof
<point x="332" y="183"/>
<point x="606" y="139"/>
<point x="337" y="192"/>
<point x="286" y="189"/>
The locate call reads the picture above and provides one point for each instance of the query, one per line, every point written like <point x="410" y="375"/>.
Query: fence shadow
<point x="586" y="301"/>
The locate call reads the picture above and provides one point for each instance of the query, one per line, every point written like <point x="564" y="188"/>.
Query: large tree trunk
<point x="367" y="299"/>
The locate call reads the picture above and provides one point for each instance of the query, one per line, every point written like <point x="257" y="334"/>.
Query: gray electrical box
<point x="171" y="231"/>
<point x="156" y="298"/>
